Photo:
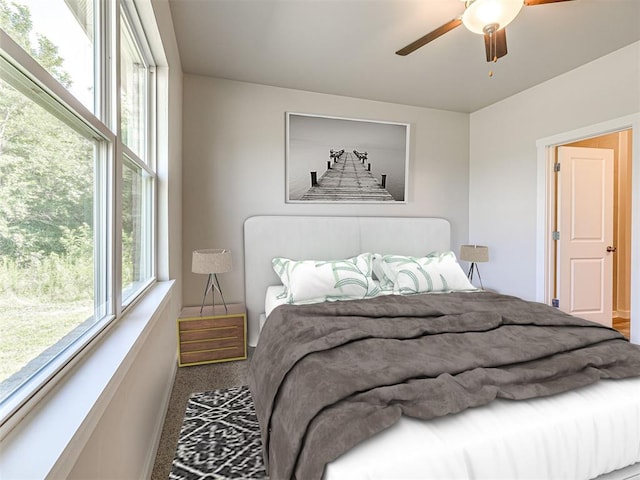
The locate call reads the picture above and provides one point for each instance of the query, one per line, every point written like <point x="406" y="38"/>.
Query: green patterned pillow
<point x="437" y="272"/>
<point x="311" y="281"/>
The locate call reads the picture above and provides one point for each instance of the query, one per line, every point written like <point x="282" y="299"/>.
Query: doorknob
<point x="611" y="249"/>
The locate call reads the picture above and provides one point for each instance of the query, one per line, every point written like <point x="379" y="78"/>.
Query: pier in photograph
<point x="348" y="179"/>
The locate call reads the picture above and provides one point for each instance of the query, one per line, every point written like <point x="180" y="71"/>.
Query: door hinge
<point x="556" y="167"/>
<point x="555" y="302"/>
<point x="555" y="235"/>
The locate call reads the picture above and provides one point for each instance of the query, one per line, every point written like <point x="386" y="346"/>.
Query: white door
<point x="585" y="225"/>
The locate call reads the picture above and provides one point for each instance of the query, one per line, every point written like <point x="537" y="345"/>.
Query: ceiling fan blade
<point x="500" y="45"/>
<point x="429" y="37"/>
<point x="529" y="3"/>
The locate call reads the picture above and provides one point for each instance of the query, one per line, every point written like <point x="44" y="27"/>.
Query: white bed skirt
<point x="581" y="434"/>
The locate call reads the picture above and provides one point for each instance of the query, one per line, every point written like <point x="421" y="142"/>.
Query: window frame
<point x="149" y="230"/>
<point x="104" y="127"/>
<point x="126" y="10"/>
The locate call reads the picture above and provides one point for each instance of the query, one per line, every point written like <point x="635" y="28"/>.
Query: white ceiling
<point x="347" y="47"/>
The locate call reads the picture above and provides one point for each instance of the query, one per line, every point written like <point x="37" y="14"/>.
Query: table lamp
<point x="212" y="261"/>
<point x="474" y="254"/>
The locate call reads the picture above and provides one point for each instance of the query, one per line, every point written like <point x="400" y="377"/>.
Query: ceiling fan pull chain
<point x="492" y="37"/>
<point x="491" y="31"/>
<point x="492" y="49"/>
<point x="494" y="43"/>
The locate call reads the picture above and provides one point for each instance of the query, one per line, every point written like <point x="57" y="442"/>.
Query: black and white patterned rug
<point x="219" y="438"/>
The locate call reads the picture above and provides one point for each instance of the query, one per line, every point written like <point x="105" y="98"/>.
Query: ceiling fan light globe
<point x="480" y="13"/>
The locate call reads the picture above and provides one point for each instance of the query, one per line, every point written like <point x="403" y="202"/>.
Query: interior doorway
<point x="588" y="282"/>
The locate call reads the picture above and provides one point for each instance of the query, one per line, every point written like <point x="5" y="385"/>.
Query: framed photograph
<point x="332" y="159"/>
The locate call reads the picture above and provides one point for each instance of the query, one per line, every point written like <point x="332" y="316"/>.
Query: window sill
<point x="48" y="440"/>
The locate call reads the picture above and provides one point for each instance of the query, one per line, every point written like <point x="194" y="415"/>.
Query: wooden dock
<point x="348" y="179"/>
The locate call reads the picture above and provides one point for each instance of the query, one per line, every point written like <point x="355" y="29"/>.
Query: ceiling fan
<point x="485" y="17"/>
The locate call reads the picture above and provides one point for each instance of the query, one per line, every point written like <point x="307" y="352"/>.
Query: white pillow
<point x="437" y="272"/>
<point x="311" y="281"/>
<point x="385" y="283"/>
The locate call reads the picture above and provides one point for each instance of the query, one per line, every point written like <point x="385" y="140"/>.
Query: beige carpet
<point x="190" y="380"/>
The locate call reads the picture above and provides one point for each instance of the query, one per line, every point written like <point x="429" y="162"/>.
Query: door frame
<point x="546" y="202"/>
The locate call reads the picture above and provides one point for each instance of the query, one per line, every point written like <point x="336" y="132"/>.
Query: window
<point x="47" y="237"/>
<point x="59" y="34"/>
<point x="133" y="90"/>
<point x="137" y="177"/>
<point x="59" y="156"/>
<point x="136" y="229"/>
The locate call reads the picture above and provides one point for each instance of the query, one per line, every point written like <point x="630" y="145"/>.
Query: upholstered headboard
<point x="327" y="238"/>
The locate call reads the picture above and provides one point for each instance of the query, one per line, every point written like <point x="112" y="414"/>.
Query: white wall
<point x="503" y="158"/>
<point x="234" y="166"/>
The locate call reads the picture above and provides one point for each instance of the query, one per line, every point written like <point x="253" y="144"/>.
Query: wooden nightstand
<point x="215" y="336"/>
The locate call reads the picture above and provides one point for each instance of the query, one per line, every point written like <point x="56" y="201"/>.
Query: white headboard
<point x="327" y="238"/>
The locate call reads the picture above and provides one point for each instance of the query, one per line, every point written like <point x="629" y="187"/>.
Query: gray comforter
<point x="325" y="377"/>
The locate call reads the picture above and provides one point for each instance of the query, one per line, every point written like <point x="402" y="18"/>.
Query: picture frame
<point x="345" y="160"/>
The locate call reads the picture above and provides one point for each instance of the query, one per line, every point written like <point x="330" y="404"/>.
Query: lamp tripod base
<point x="472" y="268"/>
<point x="213" y="284"/>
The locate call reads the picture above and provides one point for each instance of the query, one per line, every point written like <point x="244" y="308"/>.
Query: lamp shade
<point x="474" y="253"/>
<point x="481" y="13"/>
<point x="213" y="260"/>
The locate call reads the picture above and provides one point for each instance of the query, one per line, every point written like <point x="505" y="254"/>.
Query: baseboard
<point x="157" y="433"/>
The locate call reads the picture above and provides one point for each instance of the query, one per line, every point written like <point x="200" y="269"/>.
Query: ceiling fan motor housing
<point x="480" y="15"/>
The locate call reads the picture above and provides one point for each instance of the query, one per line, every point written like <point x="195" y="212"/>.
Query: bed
<point x="590" y="431"/>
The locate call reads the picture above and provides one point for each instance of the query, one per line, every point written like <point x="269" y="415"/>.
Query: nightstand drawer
<point x="228" y="353"/>
<point x="214" y="332"/>
<point x="210" y="343"/>
<point x="210" y="324"/>
<point x="215" y="335"/>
